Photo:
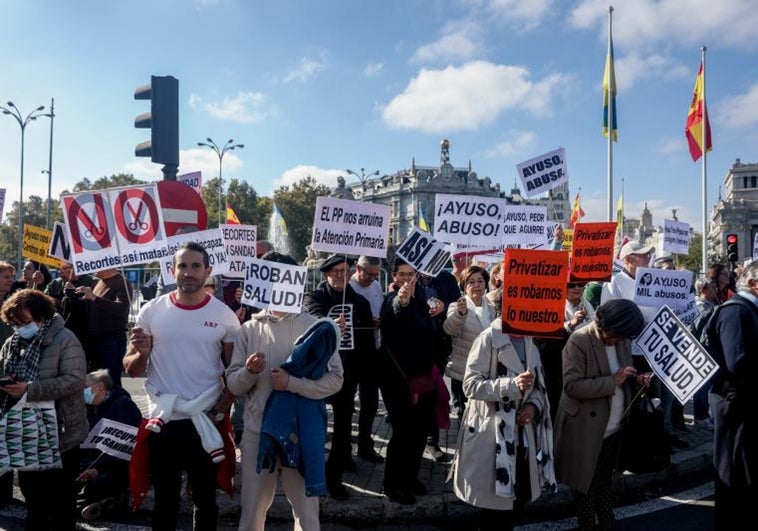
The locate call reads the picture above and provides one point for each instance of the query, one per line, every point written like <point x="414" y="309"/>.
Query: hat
<point x="662" y="259"/>
<point x="333" y="260"/>
<point x="635" y="247"/>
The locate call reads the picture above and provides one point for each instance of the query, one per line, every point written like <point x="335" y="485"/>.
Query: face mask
<point x="27" y="331"/>
<point x="89" y="396"/>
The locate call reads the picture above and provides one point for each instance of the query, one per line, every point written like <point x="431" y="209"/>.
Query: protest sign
<point x="212" y="240"/>
<point x="688" y="312"/>
<point x="275" y="286"/>
<point x="2" y="202"/>
<point x="59" y="246"/>
<point x="468" y="219"/>
<point x="35" y="245"/>
<point x="568" y="239"/>
<point x="112" y="438"/>
<point x="659" y="287"/>
<point x="544" y="172"/>
<point x="239" y="243"/>
<point x="347" y="341"/>
<point x="534" y="292"/>
<point x="194" y="180"/>
<point x="675" y="355"/>
<point x="351" y="227"/>
<point x="592" y="252"/>
<point x="424" y="253"/>
<point x="114" y="227"/>
<point x="676" y="237"/>
<point x="525" y="226"/>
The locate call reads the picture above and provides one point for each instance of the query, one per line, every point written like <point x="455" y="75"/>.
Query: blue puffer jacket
<point x="294" y="427"/>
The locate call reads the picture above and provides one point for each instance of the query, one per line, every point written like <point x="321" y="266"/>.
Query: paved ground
<point x="367" y="506"/>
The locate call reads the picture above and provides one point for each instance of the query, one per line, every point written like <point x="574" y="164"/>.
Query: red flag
<point x="697" y="120"/>
<point x="231" y="216"/>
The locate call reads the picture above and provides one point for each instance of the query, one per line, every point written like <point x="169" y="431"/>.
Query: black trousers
<point x="497" y="520"/>
<point x="368" y="393"/>
<point x="410" y="424"/>
<point x="51" y="495"/>
<point x="176" y="449"/>
<point x="598" y="502"/>
<point x="343" y="406"/>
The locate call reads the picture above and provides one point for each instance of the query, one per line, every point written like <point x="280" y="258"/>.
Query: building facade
<point x="737" y="212"/>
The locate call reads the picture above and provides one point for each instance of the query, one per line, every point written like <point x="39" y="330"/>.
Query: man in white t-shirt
<point x="178" y="341"/>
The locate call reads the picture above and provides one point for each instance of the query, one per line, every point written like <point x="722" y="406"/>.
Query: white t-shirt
<point x="373" y="294"/>
<point x="187" y="343"/>
<point x="617" y="401"/>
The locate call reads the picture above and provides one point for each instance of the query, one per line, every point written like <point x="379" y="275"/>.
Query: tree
<point x="297" y="205"/>
<point x="241" y="196"/>
<point x="35" y="212"/>
<point x="115" y="180"/>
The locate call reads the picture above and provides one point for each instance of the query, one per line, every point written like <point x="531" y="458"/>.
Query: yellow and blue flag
<point x="422" y="220"/>
<point x="609" y="94"/>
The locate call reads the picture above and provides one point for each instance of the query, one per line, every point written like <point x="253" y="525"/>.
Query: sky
<point x="314" y="87"/>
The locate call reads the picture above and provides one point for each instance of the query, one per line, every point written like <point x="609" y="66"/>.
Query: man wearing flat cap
<point x="335" y="291"/>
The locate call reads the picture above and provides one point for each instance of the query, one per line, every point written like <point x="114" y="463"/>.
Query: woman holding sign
<point x="598" y="380"/>
<point x="504" y="454"/>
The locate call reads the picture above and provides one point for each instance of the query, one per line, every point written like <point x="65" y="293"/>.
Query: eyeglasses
<point x="572" y="285"/>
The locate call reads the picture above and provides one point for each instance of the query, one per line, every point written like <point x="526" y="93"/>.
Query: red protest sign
<point x="534" y="292"/>
<point x="592" y="252"/>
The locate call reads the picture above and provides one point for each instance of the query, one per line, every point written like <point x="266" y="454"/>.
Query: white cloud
<point x="459" y="41"/>
<point x="740" y="110"/>
<point x="194" y="159"/>
<point x="373" y="69"/>
<point x="469" y="96"/>
<point x="245" y="107"/>
<point x="297" y="173"/>
<point x="306" y="69"/>
<point x="671" y="146"/>
<point x="517" y="143"/>
<point x="522" y="14"/>
<point x="634" y="67"/>
<point x="729" y="23"/>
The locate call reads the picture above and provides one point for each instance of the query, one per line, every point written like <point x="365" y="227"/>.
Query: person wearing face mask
<point x="44" y="361"/>
<point x="105" y="478"/>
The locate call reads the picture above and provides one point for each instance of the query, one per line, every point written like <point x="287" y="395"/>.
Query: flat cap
<point x="333" y="260"/>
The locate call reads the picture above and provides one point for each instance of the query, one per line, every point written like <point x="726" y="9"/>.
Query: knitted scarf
<point x="22" y="361"/>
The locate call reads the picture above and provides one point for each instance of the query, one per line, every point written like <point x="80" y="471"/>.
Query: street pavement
<point x="367" y="507"/>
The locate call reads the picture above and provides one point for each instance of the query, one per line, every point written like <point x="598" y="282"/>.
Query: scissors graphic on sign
<point x="94" y="232"/>
<point x="137" y="221"/>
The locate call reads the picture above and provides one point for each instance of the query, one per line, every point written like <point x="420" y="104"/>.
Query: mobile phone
<point x="6" y="380"/>
<point x="70" y="293"/>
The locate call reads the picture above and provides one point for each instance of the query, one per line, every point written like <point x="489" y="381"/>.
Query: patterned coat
<point x="474" y="466"/>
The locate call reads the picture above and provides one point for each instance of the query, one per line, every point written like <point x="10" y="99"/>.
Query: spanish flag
<point x="231" y="216"/>
<point x="422" y="220"/>
<point x="576" y="212"/>
<point x="697" y="126"/>
<point x="609" y="94"/>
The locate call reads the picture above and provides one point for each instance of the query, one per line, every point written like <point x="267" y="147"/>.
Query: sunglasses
<point x="572" y="285"/>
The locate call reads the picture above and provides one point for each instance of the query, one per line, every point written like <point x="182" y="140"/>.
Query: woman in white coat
<point x="505" y="444"/>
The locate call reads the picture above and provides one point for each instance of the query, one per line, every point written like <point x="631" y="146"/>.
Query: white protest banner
<point x="688" y="313"/>
<point x="2" y="202"/>
<point x="676" y="237"/>
<point x="239" y="242"/>
<point x="544" y="172"/>
<point x="424" y="253"/>
<point x="525" y="226"/>
<point x="212" y="241"/>
<point x="275" y="286"/>
<point x="59" y="246"/>
<point x="658" y="287"/>
<point x="674" y="355"/>
<point x="112" y="438"/>
<point x="114" y="227"/>
<point x="194" y="180"/>
<point x="351" y="227"/>
<point x="468" y="219"/>
<point x="346" y="339"/>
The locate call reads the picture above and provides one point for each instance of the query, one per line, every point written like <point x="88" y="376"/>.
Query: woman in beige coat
<point x="504" y="453"/>
<point x="598" y="380"/>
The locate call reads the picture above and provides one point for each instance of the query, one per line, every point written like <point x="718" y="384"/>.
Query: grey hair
<point x="102" y="376"/>
<point x="749" y="273"/>
<point x="373" y="261"/>
<point x="704" y="283"/>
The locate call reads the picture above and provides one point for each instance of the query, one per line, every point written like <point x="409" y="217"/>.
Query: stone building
<point x="737" y="212"/>
<point x="411" y="191"/>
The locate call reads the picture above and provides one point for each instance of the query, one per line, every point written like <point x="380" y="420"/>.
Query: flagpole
<point x="704" y="137"/>
<point x="610" y="124"/>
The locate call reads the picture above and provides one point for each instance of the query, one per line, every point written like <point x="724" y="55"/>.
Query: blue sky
<point x="317" y="86"/>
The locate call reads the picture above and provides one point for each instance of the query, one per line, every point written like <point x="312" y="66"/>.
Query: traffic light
<point x="163" y="122"/>
<point x="732" y="248"/>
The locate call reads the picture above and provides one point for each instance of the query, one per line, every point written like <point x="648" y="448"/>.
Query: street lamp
<point x="229" y="146"/>
<point x="49" y="172"/>
<point x="12" y="110"/>
<point x="363" y="176"/>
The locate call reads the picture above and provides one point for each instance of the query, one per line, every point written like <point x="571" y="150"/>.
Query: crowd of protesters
<point x="532" y="412"/>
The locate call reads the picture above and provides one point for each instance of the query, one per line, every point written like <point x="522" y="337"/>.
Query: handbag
<point x="29" y="437"/>
<point x="644" y="444"/>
